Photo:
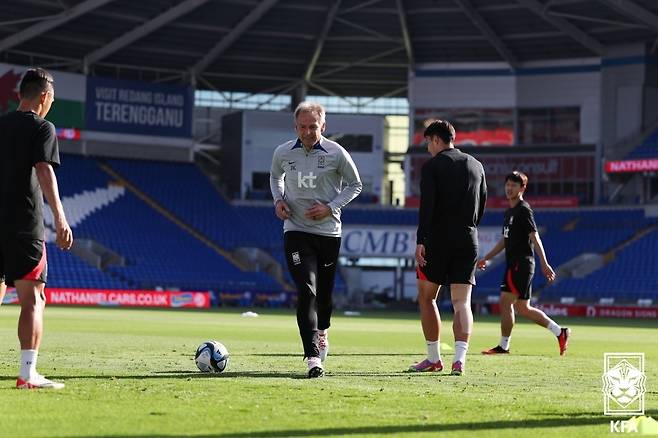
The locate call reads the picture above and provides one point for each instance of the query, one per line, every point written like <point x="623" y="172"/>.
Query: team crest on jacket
<point x="321" y="162"/>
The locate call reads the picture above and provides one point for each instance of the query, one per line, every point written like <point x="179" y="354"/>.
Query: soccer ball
<point x="211" y="357"/>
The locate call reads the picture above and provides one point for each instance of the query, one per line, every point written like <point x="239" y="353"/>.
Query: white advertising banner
<point x="386" y="241"/>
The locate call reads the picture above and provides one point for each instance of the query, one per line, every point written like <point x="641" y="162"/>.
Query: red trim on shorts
<point x="510" y="283"/>
<point x="38" y="269"/>
<point x="421" y="275"/>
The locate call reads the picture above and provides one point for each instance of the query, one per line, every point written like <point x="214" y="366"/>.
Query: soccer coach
<point x="312" y="179"/>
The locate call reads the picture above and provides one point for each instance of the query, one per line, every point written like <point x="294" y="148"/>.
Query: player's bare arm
<point x="482" y="264"/>
<point x="539" y="247"/>
<point x="48" y="183"/>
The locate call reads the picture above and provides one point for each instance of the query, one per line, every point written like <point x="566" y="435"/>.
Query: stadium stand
<point x="79" y="180"/>
<point x="159" y="253"/>
<point x="631" y="276"/>
<point x="566" y="235"/>
<point x="67" y="270"/>
<point x="182" y="189"/>
<point x="647" y="149"/>
<point x="206" y="210"/>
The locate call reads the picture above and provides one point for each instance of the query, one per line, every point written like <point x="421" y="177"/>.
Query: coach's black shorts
<point x="518" y="279"/>
<point x="449" y="265"/>
<point x="23" y="259"/>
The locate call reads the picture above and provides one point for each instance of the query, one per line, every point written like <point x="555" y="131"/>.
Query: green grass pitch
<point x="131" y="373"/>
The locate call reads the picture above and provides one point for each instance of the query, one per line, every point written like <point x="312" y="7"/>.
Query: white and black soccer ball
<point x="211" y="357"/>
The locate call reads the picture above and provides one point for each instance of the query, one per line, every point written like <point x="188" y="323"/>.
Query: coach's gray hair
<point x="310" y="107"/>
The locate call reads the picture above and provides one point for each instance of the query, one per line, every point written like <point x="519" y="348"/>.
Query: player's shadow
<point x="493" y="426"/>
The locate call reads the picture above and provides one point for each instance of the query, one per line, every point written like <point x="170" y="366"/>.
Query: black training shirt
<point x="453" y="193"/>
<point x="519" y="223"/>
<point x="25" y="140"/>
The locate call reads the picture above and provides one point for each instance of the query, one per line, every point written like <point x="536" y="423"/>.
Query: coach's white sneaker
<point x="38" y="382"/>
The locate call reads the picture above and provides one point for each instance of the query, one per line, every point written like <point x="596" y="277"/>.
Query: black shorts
<point x="23" y="259"/>
<point x="518" y="279"/>
<point x="449" y="265"/>
<point x="312" y="261"/>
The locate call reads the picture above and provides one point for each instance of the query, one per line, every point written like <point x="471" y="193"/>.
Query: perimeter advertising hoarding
<point x="120" y="298"/>
<point x="632" y="166"/>
<point x="593" y="311"/>
<point x="135" y="107"/>
<point x="374" y="241"/>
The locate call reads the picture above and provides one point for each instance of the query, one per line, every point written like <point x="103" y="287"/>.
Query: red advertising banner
<point x="632" y="166"/>
<point x="502" y="203"/>
<point x="120" y="298"/>
<point x="68" y="134"/>
<point x="593" y="311"/>
<point x="537" y="202"/>
<point x="622" y="312"/>
<point x="540" y="168"/>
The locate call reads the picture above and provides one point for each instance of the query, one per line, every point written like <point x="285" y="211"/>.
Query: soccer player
<point x="312" y="179"/>
<point x="28" y="153"/>
<point x="453" y="193"/>
<point x="520" y="239"/>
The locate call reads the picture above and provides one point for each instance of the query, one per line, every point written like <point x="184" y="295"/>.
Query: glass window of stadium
<point x="549" y="126"/>
<point x="475" y="126"/>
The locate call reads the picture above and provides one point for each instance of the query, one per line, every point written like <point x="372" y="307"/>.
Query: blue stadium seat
<point x="647" y="149"/>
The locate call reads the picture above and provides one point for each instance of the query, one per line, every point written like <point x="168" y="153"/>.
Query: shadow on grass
<point x="185" y="374"/>
<point x="411" y="355"/>
<point x="178" y="375"/>
<point x="648" y="412"/>
<point x="299" y="355"/>
<point x="544" y="423"/>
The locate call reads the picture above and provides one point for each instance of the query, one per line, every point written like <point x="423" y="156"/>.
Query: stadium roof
<point x="339" y="47"/>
